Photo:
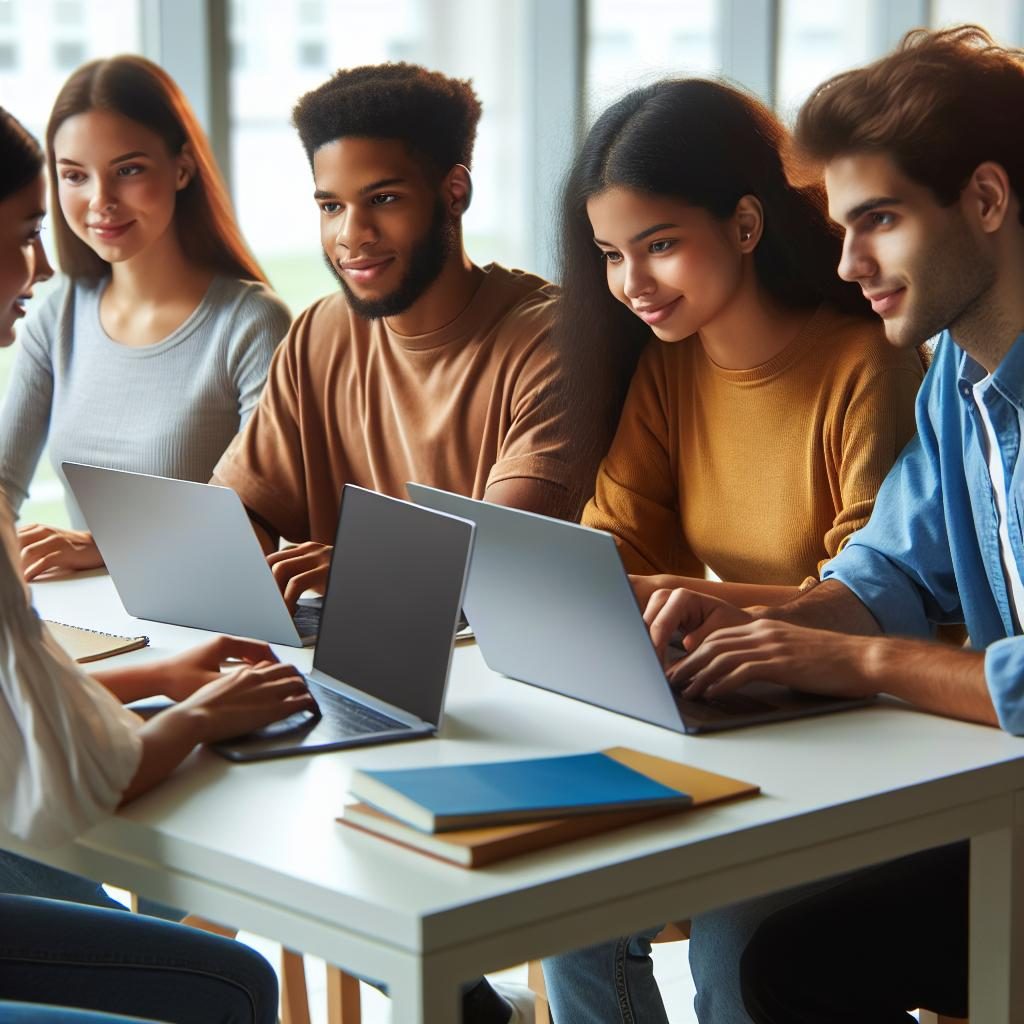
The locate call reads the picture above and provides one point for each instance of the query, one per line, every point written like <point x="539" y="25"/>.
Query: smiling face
<point x="22" y="260"/>
<point x="117" y="183"/>
<point x="384" y="228"/>
<point x="674" y="265"/>
<point x="918" y="263"/>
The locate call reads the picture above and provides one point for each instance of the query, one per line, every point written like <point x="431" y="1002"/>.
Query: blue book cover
<point x="440" y="798"/>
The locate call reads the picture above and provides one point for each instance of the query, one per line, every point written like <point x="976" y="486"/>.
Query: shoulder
<point x="319" y="331"/>
<point x="50" y="322"/>
<point x="858" y="349"/>
<point x="248" y="302"/>
<point x="519" y="302"/>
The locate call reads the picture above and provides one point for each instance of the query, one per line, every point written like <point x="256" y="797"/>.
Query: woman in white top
<point x="152" y="353"/>
<point x="70" y="754"/>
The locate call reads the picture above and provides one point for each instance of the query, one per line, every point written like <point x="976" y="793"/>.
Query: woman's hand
<point x="182" y="675"/>
<point x="645" y="586"/>
<point x="47" y="547"/>
<point x="299" y="568"/>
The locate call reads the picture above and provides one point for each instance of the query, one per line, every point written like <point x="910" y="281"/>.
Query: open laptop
<point x="551" y="605"/>
<point x="387" y="631"/>
<point x="185" y="553"/>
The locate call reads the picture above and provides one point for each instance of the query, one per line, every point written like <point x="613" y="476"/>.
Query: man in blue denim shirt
<point x="924" y="164"/>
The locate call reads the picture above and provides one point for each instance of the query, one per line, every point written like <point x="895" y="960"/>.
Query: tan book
<point x="476" y="847"/>
<point x="84" y="645"/>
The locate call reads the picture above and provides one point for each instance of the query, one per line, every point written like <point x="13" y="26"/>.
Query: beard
<point x="426" y="261"/>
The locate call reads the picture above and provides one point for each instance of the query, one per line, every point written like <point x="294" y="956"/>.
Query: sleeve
<point x="260" y="322"/>
<point x="264" y="463"/>
<point x="636" y="496"/>
<point x="1004" y="674"/>
<point x="900" y="564"/>
<point x="68" y="749"/>
<point x="25" y="417"/>
<point x="877" y="424"/>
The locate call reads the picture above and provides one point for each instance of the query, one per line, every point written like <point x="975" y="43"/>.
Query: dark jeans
<point x="53" y="952"/>
<point x="867" y="950"/>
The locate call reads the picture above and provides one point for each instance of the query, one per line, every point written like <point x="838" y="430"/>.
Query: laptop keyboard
<point x="348" y="717"/>
<point x="714" y="709"/>
<point x="307" y="620"/>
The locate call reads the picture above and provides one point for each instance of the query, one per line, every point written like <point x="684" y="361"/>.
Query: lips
<point x="886" y="303"/>
<point x="652" y="315"/>
<point x="109" y="232"/>
<point x="367" y="269"/>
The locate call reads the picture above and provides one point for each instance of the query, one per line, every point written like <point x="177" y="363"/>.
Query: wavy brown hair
<point x="938" y="106"/>
<point x="143" y="92"/>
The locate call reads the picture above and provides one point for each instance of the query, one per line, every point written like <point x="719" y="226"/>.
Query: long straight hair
<point x="143" y="92"/>
<point x="707" y="145"/>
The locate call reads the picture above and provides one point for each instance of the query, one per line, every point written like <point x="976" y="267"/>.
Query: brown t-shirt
<point x="463" y="408"/>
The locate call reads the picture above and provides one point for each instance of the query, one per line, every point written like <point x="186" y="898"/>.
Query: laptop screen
<point x="392" y="601"/>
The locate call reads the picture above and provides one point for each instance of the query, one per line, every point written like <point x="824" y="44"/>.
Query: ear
<point x="987" y="196"/>
<point x="748" y="223"/>
<point x="457" y="190"/>
<point x="186" y="167"/>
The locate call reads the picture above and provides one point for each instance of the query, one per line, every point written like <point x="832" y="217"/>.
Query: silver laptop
<point x="387" y="631"/>
<point x="185" y="553"/>
<point x="551" y="605"/>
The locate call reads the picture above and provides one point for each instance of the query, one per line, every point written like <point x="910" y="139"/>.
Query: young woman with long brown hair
<point x="766" y="407"/>
<point x="154" y="350"/>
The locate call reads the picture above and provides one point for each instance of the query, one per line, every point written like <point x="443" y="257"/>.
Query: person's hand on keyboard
<point x="185" y="673"/>
<point x="44" y="548"/>
<point x="300" y="568"/>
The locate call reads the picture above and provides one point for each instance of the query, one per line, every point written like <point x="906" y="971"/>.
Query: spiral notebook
<point x="91" y="644"/>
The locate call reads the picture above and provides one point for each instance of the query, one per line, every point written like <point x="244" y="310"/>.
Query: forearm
<point x="742" y="595"/>
<point x="931" y="676"/>
<point x="133" y="682"/>
<point x="830" y="605"/>
<point x="167" y="739"/>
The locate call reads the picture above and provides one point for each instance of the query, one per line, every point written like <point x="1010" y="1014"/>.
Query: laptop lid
<point x="181" y="552"/>
<point x="551" y="605"/>
<point x="392" y="603"/>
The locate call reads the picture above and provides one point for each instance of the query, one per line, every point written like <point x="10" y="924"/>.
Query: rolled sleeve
<point x="1004" y="675"/>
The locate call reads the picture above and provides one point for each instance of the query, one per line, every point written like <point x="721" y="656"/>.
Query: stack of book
<point x="477" y="814"/>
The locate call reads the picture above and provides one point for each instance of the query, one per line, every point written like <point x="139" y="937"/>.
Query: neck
<point x="158" y="275"/>
<point x="443" y="301"/>
<point x="752" y="329"/>
<point x="987" y="329"/>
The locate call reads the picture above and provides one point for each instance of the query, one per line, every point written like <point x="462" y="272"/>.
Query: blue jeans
<point x="51" y="951"/>
<point x="20" y="876"/>
<point x="611" y="982"/>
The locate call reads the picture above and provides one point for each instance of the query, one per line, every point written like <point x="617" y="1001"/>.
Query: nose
<point x="855" y="263"/>
<point x="103" y="197"/>
<point x="355" y="230"/>
<point x="41" y="270"/>
<point x="637" y="280"/>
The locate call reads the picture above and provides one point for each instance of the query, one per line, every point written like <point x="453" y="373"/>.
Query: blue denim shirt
<point x="930" y="552"/>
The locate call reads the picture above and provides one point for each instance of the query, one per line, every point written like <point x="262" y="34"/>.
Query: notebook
<point x="563" y="586"/>
<point x="477" y="847"/>
<point x="441" y="798"/>
<point x="84" y="645"/>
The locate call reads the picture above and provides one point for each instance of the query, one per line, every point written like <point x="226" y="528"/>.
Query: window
<point x="312" y="54"/>
<point x="68" y="54"/>
<point x="1004" y="19"/>
<point x="631" y="44"/>
<point x="8" y="56"/>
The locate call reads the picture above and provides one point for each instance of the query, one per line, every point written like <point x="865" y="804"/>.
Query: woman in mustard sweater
<point x="766" y="406"/>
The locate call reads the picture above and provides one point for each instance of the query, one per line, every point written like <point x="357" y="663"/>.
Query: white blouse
<point x="68" y="748"/>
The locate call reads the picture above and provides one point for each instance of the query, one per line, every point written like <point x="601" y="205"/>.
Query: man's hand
<point x="300" y="568"/>
<point x="692" y="614"/>
<point x="812" y="660"/>
<point x="47" y="547"/>
<point x="645" y="586"/>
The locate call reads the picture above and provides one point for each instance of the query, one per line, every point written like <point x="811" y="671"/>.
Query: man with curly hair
<point x="424" y="366"/>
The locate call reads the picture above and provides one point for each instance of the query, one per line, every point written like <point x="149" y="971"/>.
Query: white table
<point x="257" y="845"/>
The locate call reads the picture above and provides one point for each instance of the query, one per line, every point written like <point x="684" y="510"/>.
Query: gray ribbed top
<point x="169" y="408"/>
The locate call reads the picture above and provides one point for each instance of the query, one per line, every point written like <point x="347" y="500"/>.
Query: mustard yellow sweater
<point x="759" y="474"/>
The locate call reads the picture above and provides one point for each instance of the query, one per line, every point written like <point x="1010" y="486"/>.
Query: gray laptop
<point x="380" y="669"/>
<point x="550" y="605"/>
<point x="185" y="553"/>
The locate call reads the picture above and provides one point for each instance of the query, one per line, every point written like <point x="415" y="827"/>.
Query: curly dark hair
<point x="22" y="159"/>
<point x="435" y="116"/>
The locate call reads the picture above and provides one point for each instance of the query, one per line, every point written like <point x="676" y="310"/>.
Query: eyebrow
<point x="133" y="155"/>
<point x="646" y="233"/>
<point x="871" y="204"/>
<point x="365" y="190"/>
